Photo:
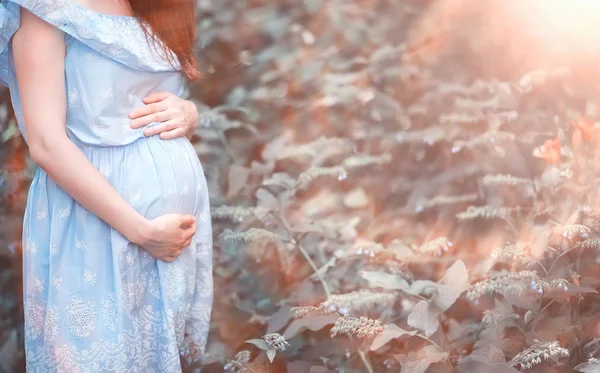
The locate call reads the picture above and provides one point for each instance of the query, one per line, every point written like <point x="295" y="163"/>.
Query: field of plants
<point x="396" y="186"/>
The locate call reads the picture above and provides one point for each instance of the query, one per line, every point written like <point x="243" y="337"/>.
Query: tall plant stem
<point x="305" y="253"/>
<point x="314" y="267"/>
<point x="361" y="353"/>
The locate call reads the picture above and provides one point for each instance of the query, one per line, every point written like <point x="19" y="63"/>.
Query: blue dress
<point x="95" y="302"/>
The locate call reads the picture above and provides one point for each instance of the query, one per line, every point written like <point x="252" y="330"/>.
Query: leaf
<point x="271" y="355"/>
<point x="573" y="218"/>
<point x="260" y="343"/>
<point x="423" y="318"/>
<point x="390" y="331"/>
<point x="261" y="212"/>
<point x="401" y="251"/>
<point x="308" y="227"/>
<point x="418" y="362"/>
<point x="279" y="319"/>
<point x="238" y="179"/>
<point x="266" y="199"/>
<point x="529" y="317"/>
<point x="490" y="354"/>
<point x="422" y="287"/>
<point x="452" y="285"/>
<point x="588" y="367"/>
<point x="314" y="323"/>
<point x="237" y="96"/>
<point x="286" y="198"/>
<point x="456" y="275"/>
<point x="282" y="179"/>
<point x="273" y="149"/>
<point x="262" y="169"/>
<point x="356" y="199"/>
<point x="550" y="177"/>
<point x="10" y="132"/>
<point x="558" y="294"/>
<point x="384" y="280"/>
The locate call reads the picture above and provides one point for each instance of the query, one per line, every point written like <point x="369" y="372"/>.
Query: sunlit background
<point x="431" y="166"/>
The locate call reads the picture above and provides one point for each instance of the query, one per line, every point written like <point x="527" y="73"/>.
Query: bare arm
<point x="39" y="53"/>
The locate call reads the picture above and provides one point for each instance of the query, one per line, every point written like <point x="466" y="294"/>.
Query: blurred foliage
<point x="396" y="186"/>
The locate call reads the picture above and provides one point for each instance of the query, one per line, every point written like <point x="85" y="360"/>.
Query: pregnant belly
<point x="155" y="176"/>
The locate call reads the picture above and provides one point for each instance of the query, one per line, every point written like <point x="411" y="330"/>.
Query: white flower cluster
<point x="538" y="353"/>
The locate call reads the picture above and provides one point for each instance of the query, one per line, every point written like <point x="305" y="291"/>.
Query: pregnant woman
<point x="117" y="244"/>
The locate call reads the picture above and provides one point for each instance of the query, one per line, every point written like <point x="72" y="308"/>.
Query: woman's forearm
<point x="68" y="167"/>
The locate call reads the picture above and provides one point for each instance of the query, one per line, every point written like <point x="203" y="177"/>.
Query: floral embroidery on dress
<point x="109" y="311"/>
<point x="91" y="56"/>
<point x="131" y="96"/>
<point x="130" y="259"/>
<point x="89" y="277"/>
<point x="80" y="317"/>
<point x="133" y="294"/>
<point x="100" y="127"/>
<point x="80" y="244"/>
<point x="175" y="284"/>
<point x="203" y="248"/>
<point x="135" y="198"/>
<point x="179" y="325"/>
<point x="38" y="284"/>
<point x="57" y="281"/>
<point x="154" y="284"/>
<point x="65" y="212"/>
<point x="151" y="332"/>
<point x="42" y="214"/>
<point x="184" y="189"/>
<point x="34" y="319"/>
<point x="190" y="281"/>
<point x="205" y="282"/>
<point x="106" y="93"/>
<point x="52" y="323"/>
<point x="73" y="96"/>
<point x="167" y="193"/>
<point x="105" y="171"/>
<point x="32" y="248"/>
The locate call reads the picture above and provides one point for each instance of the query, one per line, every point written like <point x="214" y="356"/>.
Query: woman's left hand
<point x="178" y="117"/>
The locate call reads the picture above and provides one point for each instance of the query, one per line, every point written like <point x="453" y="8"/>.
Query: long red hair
<point x="173" y="23"/>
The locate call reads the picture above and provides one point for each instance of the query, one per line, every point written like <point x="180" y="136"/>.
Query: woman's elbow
<point x="43" y="149"/>
<point x="37" y="152"/>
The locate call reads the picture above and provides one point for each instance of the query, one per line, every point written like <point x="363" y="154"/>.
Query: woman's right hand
<point x="166" y="236"/>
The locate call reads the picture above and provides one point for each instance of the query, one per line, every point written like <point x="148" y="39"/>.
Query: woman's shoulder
<point x="121" y="38"/>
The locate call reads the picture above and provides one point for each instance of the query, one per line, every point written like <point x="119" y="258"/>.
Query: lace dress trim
<point x="121" y="38"/>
